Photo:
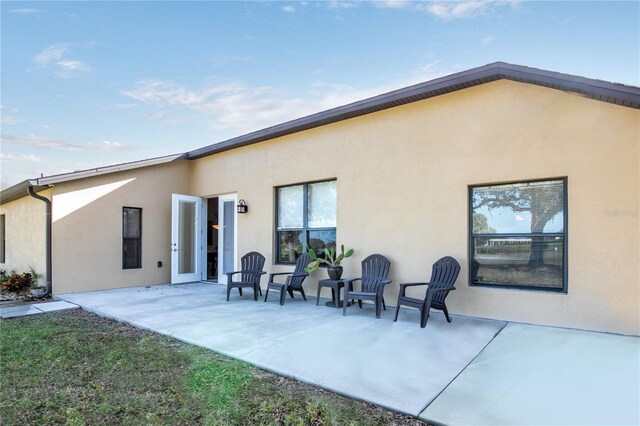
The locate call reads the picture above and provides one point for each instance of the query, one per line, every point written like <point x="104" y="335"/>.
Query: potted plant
<point x="36" y="290"/>
<point x="331" y="260"/>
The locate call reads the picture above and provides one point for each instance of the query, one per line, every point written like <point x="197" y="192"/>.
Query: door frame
<point x="222" y="278"/>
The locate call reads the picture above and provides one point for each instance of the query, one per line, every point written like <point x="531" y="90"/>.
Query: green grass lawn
<point x="76" y="368"/>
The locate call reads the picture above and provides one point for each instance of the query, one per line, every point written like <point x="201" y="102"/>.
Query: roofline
<point x="619" y="94"/>
<point x="19" y="190"/>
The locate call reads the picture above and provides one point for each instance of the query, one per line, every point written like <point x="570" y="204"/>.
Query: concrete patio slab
<point x="35" y="309"/>
<point x="532" y="375"/>
<point x="18" y="311"/>
<point x="396" y="365"/>
<point x="54" y="306"/>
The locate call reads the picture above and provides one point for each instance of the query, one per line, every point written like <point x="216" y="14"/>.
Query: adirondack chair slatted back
<point x="301" y="263"/>
<point x="252" y="264"/>
<point x="375" y="269"/>
<point x="443" y="275"/>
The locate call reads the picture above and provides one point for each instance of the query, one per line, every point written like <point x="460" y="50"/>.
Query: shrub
<point x="16" y="283"/>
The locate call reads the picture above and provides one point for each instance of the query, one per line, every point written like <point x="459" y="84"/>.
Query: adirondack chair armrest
<point x="231" y="274"/>
<point x="403" y="287"/>
<point x="275" y="274"/>
<point x="299" y="275"/>
<point x="348" y="283"/>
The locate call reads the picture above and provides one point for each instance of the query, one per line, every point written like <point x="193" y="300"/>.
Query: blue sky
<point x="85" y="84"/>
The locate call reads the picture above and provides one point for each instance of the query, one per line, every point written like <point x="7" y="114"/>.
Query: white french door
<point x="186" y="238"/>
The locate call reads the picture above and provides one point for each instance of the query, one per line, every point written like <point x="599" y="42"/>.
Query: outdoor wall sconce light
<point x="242" y="207"/>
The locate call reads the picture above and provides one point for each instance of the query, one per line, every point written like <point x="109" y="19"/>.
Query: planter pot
<point x="38" y="292"/>
<point x="335" y="272"/>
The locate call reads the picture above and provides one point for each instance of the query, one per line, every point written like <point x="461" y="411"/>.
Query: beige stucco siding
<point x="403" y="177"/>
<point x="87" y="227"/>
<point x="25" y="234"/>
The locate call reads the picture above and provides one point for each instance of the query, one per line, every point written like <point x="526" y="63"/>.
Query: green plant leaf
<point x="313" y="266"/>
<point x="327" y="254"/>
<point x="349" y="253"/>
<point x="312" y="253"/>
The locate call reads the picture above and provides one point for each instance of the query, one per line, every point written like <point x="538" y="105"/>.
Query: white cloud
<point x="8" y="120"/>
<point x="392" y="4"/>
<point x="27" y="11"/>
<point x="20" y="157"/>
<point x="56" y="57"/>
<point x="341" y="4"/>
<point x="288" y="9"/>
<point x="487" y="39"/>
<point x="237" y="105"/>
<point x="47" y="143"/>
<point x="449" y="10"/>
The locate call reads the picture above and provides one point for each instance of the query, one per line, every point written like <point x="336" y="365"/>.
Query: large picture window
<point x="305" y="217"/>
<point x="131" y="238"/>
<point x="518" y="235"/>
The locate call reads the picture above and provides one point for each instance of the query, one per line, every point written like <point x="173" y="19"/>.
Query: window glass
<point x="131" y="221"/>
<point x="322" y="204"/>
<point x="290" y="245"/>
<point x="533" y="207"/>
<point x="290" y="207"/>
<point x="131" y="237"/>
<point x="518" y="235"/>
<point x="320" y="240"/>
<point x="131" y="253"/>
<point x="519" y="261"/>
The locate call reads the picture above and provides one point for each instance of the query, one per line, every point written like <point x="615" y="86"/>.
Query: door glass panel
<point x="228" y="236"/>
<point x="186" y="237"/>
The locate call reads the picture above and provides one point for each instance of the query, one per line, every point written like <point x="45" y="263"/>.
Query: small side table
<point x="335" y="286"/>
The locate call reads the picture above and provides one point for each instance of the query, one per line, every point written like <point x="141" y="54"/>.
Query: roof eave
<point x="19" y="190"/>
<point x="618" y="94"/>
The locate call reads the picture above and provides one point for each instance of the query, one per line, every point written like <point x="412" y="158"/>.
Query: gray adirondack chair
<point x="443" y="276"/>
<point x="375" y="272"/>
<point x="293" y="281"/>
<point x="252" y="265"/>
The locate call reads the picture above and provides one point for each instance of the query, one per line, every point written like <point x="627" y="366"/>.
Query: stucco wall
<point x="87" y="227"/>
<point x="25" y="234"/>
<point x="403" y="177"/>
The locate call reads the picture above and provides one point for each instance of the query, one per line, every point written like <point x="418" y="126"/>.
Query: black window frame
<point x="3" y="237"/>
<point x="139" y="238"/>
<point x="564" y="235"/>
<point x="305" y="219"/>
